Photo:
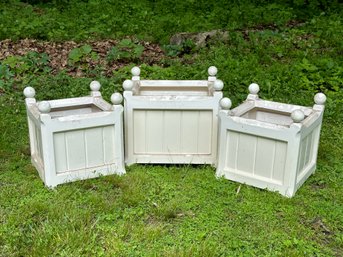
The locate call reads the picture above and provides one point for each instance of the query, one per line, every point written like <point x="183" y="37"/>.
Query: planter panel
<point x="253" y="156"/>
<point x="172" y="132"/>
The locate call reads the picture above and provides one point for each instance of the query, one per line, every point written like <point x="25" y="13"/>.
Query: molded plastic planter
<point x="171" y="121"/>
<point x="268" y="144"/>
<point x="76" y="138"/>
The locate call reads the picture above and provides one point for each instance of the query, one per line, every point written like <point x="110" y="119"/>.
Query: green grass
<point x="181" y="210"/>
<point x="149" y="20"/>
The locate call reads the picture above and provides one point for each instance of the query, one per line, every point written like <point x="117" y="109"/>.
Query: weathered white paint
<point x="268" y="144"/>
<point x="75" y="138"/>
<point x="171" y="121"/>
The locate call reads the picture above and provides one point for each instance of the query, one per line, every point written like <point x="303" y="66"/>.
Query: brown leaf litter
<point x="58" y="54"/>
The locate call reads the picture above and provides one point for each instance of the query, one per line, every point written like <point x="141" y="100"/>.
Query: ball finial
<point x="225" y="103"/>
<point x="44" y="107"/>
<point x="128" y="85"/>
<point x="135" y="71"/>
<point x="218" y="85"/>
<point x="212" y="71"/>
<point x="320" y="99"/>
<point x="116" y="98"/>
<point x="254" y="89"/>
<point x="95" y="85"/>
<point x="297" y="116"/>
<point x="29" y="92"/>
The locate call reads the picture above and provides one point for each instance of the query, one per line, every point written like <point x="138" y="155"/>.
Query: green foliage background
<point x="148" y="20"/>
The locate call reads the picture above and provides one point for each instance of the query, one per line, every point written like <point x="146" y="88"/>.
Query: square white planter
<point x="268" y="144"/>
<point x="76" y="138"/>
<point x="171" y="121"/>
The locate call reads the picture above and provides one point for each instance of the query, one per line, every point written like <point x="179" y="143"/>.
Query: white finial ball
<point x="44" y="107"/>
<point x="95" y="85"/>
<point x="218" y="84"/>
<point x="297" y="116"/>
<point x="212" y="71"/>
<point x="29" y="92"/>
<point x="320" y="99"/>
<point x="136" y="71"/>
<point x="128" y="84"/>
<point x="225" y="103"/>
<point x="116" y="98"/>
<point x="254" y="89"/>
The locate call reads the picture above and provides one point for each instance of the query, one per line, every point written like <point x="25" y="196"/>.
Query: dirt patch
<point x="58" y="53"/>
<point x="324" y="235"/>
<point x="318" y="185"/>
<point x="319" y="226"/>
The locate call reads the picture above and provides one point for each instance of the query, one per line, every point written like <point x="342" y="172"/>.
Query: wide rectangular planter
<point x="76" y="138"/>
<point x="171" y="121"/>
<point x="268" y="144"/>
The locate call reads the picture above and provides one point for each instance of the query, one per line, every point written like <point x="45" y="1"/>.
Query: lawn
<point x="292" y="49"/>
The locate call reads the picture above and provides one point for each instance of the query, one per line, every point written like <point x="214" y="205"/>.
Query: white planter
<point x="171" y="121"/>
<point x="76" y="138"/>
<point x="268" y="144"/>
